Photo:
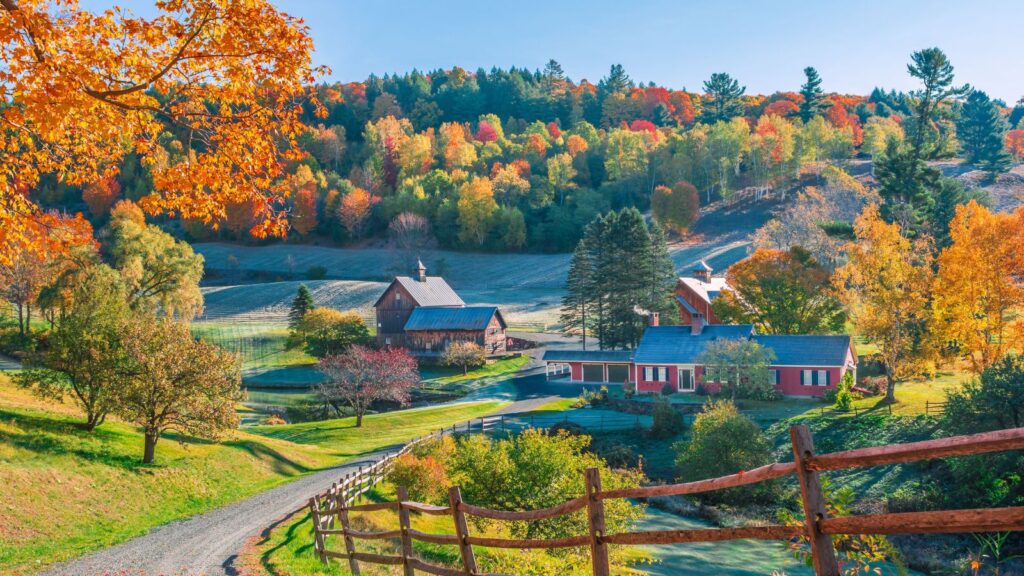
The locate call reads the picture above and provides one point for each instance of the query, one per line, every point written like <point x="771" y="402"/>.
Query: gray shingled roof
<point x="686" y="305"/>
<point x="588" y="355"/>
<point x="678" y="345"/>
<point x="807" y="350"/>
<point x="438" y="318"/>
<point x="434" y="292"/>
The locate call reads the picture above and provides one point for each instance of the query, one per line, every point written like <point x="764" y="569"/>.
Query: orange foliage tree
<point x="1015" y="143"/>
<point x="228" y="78"/>
<point x="354" y="210"/>
<point x="978" y="286"/>
<point x="100" y="196"/>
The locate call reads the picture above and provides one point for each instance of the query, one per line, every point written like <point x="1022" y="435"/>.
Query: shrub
<point x="667" y="421"/>
<point x="424" y="477"/>
<point x="465" y="355"/>
<point x="844" y="393"/>
<point x="617" y="455"/>
<point x="274" y="420"/>
<point x="628" y="389"/>
<point x="316" y="273"/>
<point x="701" y="390"/>
<point x="723" y="442"/>
<point x="571" y="428"/>
<point x="668" y="389"/>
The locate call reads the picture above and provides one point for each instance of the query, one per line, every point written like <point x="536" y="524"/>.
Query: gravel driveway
<point x="207" y="544"/>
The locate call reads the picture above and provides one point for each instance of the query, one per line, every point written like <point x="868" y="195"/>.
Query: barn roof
<point x="466" y="318"/>
<point x="807" y="350"/>
<point x="678" y="344"/>
<point x="706" y="291"/>
<point x="433" y="292"/>
<point x="588" y="355"/>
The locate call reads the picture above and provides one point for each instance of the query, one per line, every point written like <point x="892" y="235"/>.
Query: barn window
<point x="387" y="341"/>
<point x="774" y="375"/>
<point x="822" y="378"/>
<point x="398" y="296"/>
<point x="807" y="377"/>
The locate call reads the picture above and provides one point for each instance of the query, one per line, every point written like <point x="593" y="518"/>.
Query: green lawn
<point x="341" y="437"/>
<point x="261" y="344"/>
<point x="493" y="370"/>
<point x="97" y="494"/>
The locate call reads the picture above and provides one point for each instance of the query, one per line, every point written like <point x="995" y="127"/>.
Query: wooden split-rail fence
<point x="330" y="511"/>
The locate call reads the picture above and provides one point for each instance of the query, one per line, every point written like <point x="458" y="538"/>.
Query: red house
<point x="668" y="355"/>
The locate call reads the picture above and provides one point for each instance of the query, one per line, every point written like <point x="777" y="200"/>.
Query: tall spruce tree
<point x="952" y="193"/>
<point x="982" y="132"/>
<point x="907" y="186"/>
<point x="814" y="96"/>
<point x="301" y="305"/>
<point x="576" y="303"/>
<point x="617" y="81"/>
<point x="725" y="98"/>
<point x="620" y="272"/>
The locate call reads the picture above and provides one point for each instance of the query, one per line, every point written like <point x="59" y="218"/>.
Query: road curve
<point x="207" y="544"/>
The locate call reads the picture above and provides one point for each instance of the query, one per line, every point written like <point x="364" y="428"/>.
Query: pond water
<point x="731" y="558"/>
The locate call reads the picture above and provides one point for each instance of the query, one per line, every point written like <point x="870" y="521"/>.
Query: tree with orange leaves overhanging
<point x="885" y="286"/>
<point x="228" y="77"/>
<point x="978" y="286"/>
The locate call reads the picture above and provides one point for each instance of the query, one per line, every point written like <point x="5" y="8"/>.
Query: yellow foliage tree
<point x="978" y="286"/>
<point x="228" y="77"/>
<point x="476" y="205"/>
<point x="885" y="286"/>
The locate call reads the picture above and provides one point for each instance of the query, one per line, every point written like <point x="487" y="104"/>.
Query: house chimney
<point x="422" y="270"/>
<point x="696" y="324"/>
<point x="654" y="319"/>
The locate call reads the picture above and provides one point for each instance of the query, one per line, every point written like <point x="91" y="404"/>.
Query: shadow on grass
<point x="281" y="464"/>
<point x="60" y="437"/>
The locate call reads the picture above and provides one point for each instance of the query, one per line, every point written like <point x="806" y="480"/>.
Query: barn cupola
<point x="702" y="271"/>
<point x="422" y="270"/>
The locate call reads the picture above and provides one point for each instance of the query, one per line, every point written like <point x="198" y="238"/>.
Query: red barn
<point x="695" y="294"/>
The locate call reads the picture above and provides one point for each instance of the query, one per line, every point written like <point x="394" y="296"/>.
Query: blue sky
<point x="765" y="44"/>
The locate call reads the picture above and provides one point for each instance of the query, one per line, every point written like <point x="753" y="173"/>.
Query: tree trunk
<point x="21" y="318"/>
<point x="149" y="451"/>
<point x="890" y="388"/>
<point x="359" y="418"/>
<point x="92" y="420"/>
<point x="28" y="318"/>
<point x="465" y="369"/>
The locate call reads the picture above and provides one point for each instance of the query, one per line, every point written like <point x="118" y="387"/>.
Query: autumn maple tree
<point x="885" y="286"/>
<point x="978" y="286"/>
<point x="361" y="376"/>
<point x="225" y="81"/>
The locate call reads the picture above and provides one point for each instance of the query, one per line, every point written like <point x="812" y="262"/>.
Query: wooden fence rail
<point x="818" y="528"/>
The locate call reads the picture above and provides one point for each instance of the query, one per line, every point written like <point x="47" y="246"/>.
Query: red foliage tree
<point x="304" y="218"/>
<point x="782" y="108"/>
<point x="361" y="376"/>
<point x="643" y="126"/>
<point x="485" y="132"/>
<point x="1015" y="143"/>
<point x="100" y="196"/>
<point x="554" y="131"/>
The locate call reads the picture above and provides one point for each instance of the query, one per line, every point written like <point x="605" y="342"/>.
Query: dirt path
<point x="207" y="544"/>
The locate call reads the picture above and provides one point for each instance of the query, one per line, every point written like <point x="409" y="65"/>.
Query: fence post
<point x="403" y="523"/>
<point x="822" y="550"/>
<point x="318" y="538"/>
<point x="502" y="423"/>
<point x="595" y="520"/>
<point x="461" y="530"/>
<point x="350" y="545"/>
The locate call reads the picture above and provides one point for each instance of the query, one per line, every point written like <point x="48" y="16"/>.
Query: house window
<point x="774" y="375"/>
<point x="656" y="374"/>
<point x="814" y="377"/>
<point x="387" y="341"/>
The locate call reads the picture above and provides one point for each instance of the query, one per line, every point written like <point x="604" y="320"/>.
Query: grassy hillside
<point x="96" y="493"/>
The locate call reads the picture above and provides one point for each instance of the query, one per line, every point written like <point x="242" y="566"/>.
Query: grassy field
<point x="528" y="287"/>
<point x="98" y="494"/>
<point x="342" y="439"/>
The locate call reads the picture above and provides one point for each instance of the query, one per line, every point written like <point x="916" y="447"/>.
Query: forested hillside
<point x="519" y="160"/>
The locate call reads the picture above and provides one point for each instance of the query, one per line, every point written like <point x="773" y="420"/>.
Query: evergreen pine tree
<point x="814" y="101"/>
<point x="662" y="273"/>
<point x="982" y="131"/>
<point x="617" y="81"/>
<point x="952" y="193"/>
<point x="301" y="305"/>
<point x="907" y="186"/>
<point x="576" y="302"/>
<point x="725" y="98"/>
